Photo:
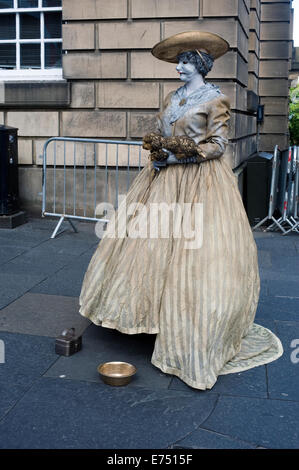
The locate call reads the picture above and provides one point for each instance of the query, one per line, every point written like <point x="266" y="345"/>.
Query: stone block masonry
<point x="117" y="86"/>
<point x="275" y="36"/>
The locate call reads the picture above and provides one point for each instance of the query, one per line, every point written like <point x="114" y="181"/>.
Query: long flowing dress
<point x="148" y="275"/>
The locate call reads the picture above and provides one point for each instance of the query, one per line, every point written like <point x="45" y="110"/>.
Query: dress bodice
<point x="205" y="121"/>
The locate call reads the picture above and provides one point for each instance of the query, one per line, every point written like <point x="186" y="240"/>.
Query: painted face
<point x="186" y="70"/>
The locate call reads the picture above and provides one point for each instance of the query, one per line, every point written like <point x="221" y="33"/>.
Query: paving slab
<point x="26" y="358"/>
<point x="67" y="414"/>
<point x="258" y="233"/>
<point x="279" y="246"/>
<point x="288" y="288"/>
<point x="14" y="286"/>
<point x="70" y="244"/>
<point x="84" y="234"/>
<point x="83" y="366"/>
<point x="42" y="315"/>
<point x="104" y="345"/>
<point x="276" y="275"/>
<point x="18" y="237"/>
<point x="278" y="308"/>
<point x="99" y="337"/>
<point x="252" y="382"/>
<point x="264" y="291"/>
<point x="262" y="422"/>
<point x="256" y="408"/>
<point x="7" y="296"/>
<point x="8" y="252"/>
<point x="44" y="261"/>
<point x="64" y="282"/>
<point x="269" y="323"/>
<point x="203" y="439"/>
<point x="285" y="264"/>
<point x="264" y="259"/>
<point x="283" y="373"/>
<point x="81" y="262"/>
<point x="35" y="269"/>
<point x="11" y="393"/>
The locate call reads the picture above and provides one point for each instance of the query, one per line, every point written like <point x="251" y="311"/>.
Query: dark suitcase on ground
<point x="68" y="343"/>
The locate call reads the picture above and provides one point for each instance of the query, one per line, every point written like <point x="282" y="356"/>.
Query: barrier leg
<point x="73" y="226"/>
<point x="276" y="224"/>
<point x="260" y="223"/>
<point x="294" y="228"/>
<point x="57" y="227"/>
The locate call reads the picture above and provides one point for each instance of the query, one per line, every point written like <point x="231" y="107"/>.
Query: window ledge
<point x="34" y="93"/>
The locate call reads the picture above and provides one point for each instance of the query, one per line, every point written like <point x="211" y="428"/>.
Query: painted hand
<point x="159" y="164"/>
<point x="171" y="159"/>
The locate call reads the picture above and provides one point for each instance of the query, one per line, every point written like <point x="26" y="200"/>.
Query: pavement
<point x="49" y="401"/>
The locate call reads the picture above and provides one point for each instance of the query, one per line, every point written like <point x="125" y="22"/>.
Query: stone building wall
<point x="275" y="63"/>
<point x="115" y="86"/>
<point x="294" y="72"/>
<point x="114" y="74"/>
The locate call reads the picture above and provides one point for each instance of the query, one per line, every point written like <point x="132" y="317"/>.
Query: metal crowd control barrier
<point x="292" y="191"/>
<point x="284" y="197"/>
<point x="273" y="191"/>
<point x="88" y="166"/>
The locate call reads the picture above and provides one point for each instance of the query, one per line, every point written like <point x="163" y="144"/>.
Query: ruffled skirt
<point x="178" y="259"/>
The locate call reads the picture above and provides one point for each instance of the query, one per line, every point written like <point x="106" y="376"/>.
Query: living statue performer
<point x="198" y="296"/>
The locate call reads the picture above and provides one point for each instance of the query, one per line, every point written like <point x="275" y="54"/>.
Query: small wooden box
<point x="68" y="343"/>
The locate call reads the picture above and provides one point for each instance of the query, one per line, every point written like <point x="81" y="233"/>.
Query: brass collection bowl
<point x="116" y="373"/>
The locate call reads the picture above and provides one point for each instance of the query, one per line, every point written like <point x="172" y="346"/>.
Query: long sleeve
<point x="159" y="124"/>
<point x="217" y="129"/>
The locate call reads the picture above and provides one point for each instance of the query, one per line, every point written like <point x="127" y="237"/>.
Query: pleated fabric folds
<point x="199" y="297"/>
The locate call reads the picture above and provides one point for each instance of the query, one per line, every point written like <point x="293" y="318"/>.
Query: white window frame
<point x="30" y="74"/>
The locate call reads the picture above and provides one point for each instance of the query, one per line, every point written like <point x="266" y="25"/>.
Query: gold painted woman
<point x="200" y="298"/>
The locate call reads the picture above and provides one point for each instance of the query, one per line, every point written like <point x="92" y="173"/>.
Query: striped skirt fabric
<point x="178" y="259"/>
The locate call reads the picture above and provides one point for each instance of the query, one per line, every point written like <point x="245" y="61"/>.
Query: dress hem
<point x="177" y="373"/>
<point x="115" y="326"/>
<point x="201" y="386"/>
<point x="261" y="362"/>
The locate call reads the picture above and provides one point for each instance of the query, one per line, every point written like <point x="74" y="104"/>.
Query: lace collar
<point x="181" y="103"/>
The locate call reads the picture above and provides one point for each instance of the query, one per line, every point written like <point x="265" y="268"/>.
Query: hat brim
<point x="169" y="49"/>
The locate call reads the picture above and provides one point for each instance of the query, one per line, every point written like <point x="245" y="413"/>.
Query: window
<point x="30" y="39"/>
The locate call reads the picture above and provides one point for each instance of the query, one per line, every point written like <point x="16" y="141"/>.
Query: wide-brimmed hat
<point x="202" y="41"/>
